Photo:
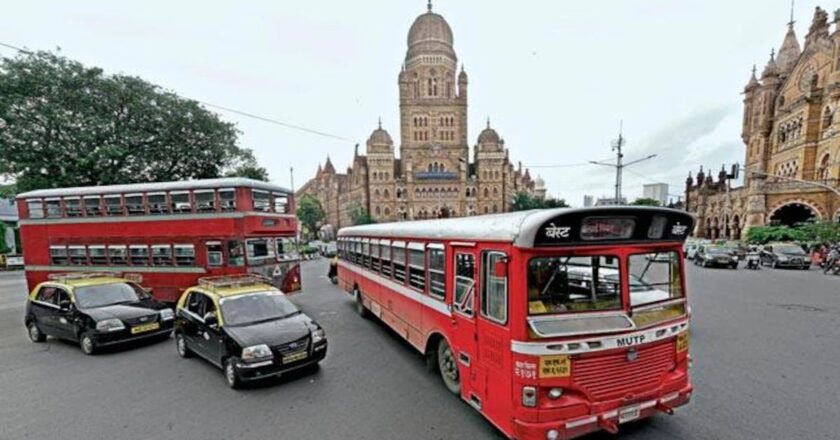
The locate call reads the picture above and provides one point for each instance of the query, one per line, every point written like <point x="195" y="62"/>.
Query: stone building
<point x="433" y="175"/>
<point x="792" y="139"/>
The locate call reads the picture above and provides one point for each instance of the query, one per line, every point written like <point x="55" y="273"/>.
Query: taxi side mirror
<point x="148" y="293"/>
<point x="210" y="319"/>
<point x="64" y="305"/>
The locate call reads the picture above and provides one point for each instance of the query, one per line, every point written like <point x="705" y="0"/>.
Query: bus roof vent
<point x="227" y="281"/>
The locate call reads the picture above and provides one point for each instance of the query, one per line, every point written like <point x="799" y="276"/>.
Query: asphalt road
<point x="765" y="344"/>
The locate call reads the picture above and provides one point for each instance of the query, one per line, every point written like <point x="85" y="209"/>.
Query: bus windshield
<point x="558" y="284"/>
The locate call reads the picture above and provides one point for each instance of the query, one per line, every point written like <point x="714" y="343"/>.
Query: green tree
<point x="825" y="231"/>
<point x="248" y="167"/>
<point x="523" y="201"/>
<point x="767" y="234"/>
<point x="644" y="201"/>
<point x="66" y="124"/>
<point x="4" y="249"/>
<point x="310" y="213"/>
<point x="359" y="215"/>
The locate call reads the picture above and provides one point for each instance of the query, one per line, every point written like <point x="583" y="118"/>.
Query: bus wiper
<point x="564" y="266"/>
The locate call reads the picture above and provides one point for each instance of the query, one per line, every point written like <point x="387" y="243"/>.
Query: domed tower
<point x="433" y="117"/>
<point x="381" y="178"/>
<point x="491" y="165"/>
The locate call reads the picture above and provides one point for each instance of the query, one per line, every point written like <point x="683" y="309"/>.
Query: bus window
<point x="655" y="277"/>
<point x="281" y="203"/>
<point x="97" y="254"/>
<point x="139" y="254"/>
<point x="77" y="255"/>
<point x="366" y="254"/>
<point x="184" y="254"/>
<point x="93" y="207"/>
<point x="558" y="284"/>
<point x="53" y="208"/>
<point x="437" y="272"/>
<point x="262" y="200"/>
<point x="118" y="255"/>
<point x="398" y="255"/>
<point x="215" y="257"/>
<point x="180" y="202"/>
<point x="227" y="199"/>
<point x="73" y="206"/>
<point x="286" y="248"/>
<point x="374" y="255"/>
<point x="113" y="205"/>
<point x="36" y="208"/>
<point x="494" y="289"/>
<point x="464" y="283"/>
<point x="58" y="255"/>
<point x="205" y="200"/>
<point x="134" y="204"/>
<point x="386" y="258"/>
<point x="157" y="203"/>
<point x="236" y="254"/>
<point x="162" y="255"/>
<point x="259" y="249"/>
<point x="416" y="266"/>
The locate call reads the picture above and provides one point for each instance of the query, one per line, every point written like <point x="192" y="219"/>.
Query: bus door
<point x="493" y="332"/>
<point x="465" y="335"/>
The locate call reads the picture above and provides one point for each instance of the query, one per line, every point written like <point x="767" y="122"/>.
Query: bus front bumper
<point x="607" y="420"/>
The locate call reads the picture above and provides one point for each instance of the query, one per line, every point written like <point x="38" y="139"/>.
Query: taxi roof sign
<point x="70" y="276"/>
<point x="229" y="281"/>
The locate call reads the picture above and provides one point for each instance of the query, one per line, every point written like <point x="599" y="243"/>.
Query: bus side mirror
<point x="500" y="269"/>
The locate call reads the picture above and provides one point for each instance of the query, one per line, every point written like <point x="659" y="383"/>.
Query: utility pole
<point x="292" y="177"/>
<point x="619" y="163"/>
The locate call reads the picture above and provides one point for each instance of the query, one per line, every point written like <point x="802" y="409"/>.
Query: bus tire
<point x="360" y="304"/>
<point x="448" y="367"/>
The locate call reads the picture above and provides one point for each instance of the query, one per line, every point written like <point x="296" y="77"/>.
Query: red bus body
<point x="607" y="371"/>
<point x="165" y="235"/>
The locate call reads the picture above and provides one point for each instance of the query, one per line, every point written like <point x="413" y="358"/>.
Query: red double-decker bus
<point x="165" y="235"/>
<point x="551" y="323"/>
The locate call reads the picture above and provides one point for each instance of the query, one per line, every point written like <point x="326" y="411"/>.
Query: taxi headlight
<point x="318" y="336"/>
<point x="256" y="352"/>
<point x="166" y="314"/>
<point x="110" y="325"/>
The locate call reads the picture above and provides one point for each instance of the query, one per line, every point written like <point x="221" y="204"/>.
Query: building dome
<point x="539" y="183"/>
<point x="430" y="33"/>
<point x="488" y="135"/>
<point x="380" y="137"/>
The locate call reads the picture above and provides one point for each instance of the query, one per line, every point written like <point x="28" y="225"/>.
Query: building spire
<point x="488" y="122"/>
<point x="429" y="5"/>
<point x="791" y="22"/>
<point x="380" y="122"/>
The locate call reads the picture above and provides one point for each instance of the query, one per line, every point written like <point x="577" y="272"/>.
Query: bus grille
<point x="613" y="376"/>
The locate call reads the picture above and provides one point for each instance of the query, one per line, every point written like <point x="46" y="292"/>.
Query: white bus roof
<point x="183" y="185"/>
<point x="519" y="228"/>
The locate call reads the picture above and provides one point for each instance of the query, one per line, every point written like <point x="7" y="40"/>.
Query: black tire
<point x="182" y="347"/>
<point x="35" y="333"/>
<point x="775" y="264"/>
<point x="360" y="304"/>
<point x="231" y="375"/>
<point x="87" y="344"/>
<point x="448" y="367"/>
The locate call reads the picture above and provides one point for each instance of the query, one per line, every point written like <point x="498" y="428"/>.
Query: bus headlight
<point x="529" y="397"/>
<point x="555" y="393"/>
<point x="256" y="352"/>
<point x="552" y="434"/>
<point x="110" y="325"/>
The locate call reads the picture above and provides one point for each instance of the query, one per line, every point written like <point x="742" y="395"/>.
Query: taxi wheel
<point x="35" y="333"/>
<point x="360" y="305"/>
<point x="87" y="344"/>
<point x="448" y="367"/>
<point x="231" y="377"/>
<point x="181" y="346"/>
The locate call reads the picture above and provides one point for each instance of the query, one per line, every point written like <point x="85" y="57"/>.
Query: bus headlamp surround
<point x="256" y="352"/>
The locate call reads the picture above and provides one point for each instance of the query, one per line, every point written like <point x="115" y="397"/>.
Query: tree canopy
<point x="523" y="201"/>
<point x="310" y="213"/>
<point x="820" y="232"/>
<point x="66" y="124"/>
<point x="645" y="201"/>
<point x="359" y="215"/>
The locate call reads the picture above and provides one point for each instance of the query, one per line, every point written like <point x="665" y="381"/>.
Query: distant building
<point x="610" y="201"/>
<point x="656" y="191"/>
<point x="791" y="133"/>
<point x="588" y="201"/>
<point x="9" y="217"/>
<point x="433" y="175"/>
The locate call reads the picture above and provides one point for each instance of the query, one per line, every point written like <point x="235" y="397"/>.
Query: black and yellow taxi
<point x="246" y="327"/>
<point x="95" y="310"/>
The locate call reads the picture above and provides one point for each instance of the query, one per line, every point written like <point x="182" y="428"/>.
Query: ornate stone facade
<point x="433" y="175"/>
<point x="791" y="130"/>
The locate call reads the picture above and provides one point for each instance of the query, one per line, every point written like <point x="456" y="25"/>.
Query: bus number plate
<point x="682" y="342"/>
<point x="629" y="414"/>
<point x="555" y="366"/>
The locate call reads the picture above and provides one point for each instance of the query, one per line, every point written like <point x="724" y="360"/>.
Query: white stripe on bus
<point x="427" y="301"/>
<point x="138" y="269"/>
<point x="146" y="218"/>
<point x="585" y="345"/>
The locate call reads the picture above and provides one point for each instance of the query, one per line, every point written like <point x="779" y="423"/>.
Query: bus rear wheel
<point x="448" y="367"/>
<point x="360" y="304"/>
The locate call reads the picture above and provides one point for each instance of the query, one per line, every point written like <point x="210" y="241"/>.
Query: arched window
<point x="486" y="192"/>
<point x="378" y="211"/>
<point x="822" y="171"/>
<point x="495" y="209"/>
<point x="387" y="193"/>
<point x="387" y="211"/>
<point x="495" y="192"/>
<point x="376" y="193"/>
<point x="431" y="168"/>
<point x="486" y="210"/>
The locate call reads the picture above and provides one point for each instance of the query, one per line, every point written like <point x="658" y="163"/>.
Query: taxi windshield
<point x="254" y="308"/>
<point x="102" y="295"/>
<point x="558" y="284"/>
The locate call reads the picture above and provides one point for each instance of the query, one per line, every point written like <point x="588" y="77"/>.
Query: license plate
<point x="145" y="328"/>
<point x="294" y="357"/>
<point x="629" y="414"/>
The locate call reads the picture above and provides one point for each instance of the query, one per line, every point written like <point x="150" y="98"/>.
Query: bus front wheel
<point x="448" y="367"/>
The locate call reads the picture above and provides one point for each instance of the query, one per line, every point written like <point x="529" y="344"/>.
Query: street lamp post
<point x="793" y="179"/>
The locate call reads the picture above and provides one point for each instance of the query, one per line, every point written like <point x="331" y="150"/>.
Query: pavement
<point x="764" y="343"/>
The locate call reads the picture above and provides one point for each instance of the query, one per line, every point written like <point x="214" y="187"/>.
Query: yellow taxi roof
<point x="227" y="292"/>
<point x="84" y="282"/>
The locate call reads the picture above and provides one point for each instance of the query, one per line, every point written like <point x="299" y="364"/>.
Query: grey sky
<point x="555" y="77"/>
